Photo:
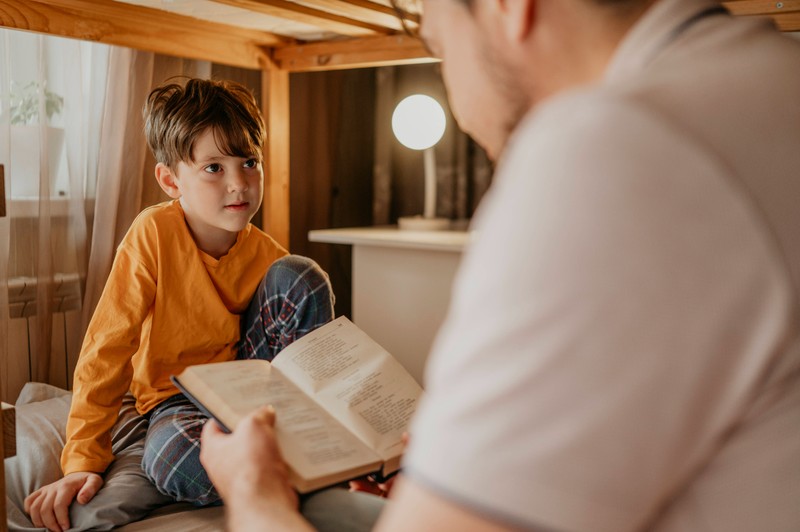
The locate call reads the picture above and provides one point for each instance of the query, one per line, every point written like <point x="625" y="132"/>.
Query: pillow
<point x="126" y="495"/>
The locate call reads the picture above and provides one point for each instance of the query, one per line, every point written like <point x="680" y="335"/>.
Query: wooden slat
<point x="367" y="11"/>
<point x="73" y="331"/>
<point x="2" y="191"/>
<point x="761" y="7"/>
<point x="9" y="431"/>
<point x="275" y="210"/>
<point x="787" y="21"/>
<point x="353" y="53"/>
<point x="3" y="437"/>
<point x="323" y="20"/>
<point x="785" y="14"/>
<point x="15" y="370"/>
<point x="143" y="28"/>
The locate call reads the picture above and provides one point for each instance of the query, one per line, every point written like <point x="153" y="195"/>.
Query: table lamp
<point x="418" y="123"/>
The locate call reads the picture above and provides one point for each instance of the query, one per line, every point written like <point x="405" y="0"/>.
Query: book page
<point x="312" y="442"/>
<point x="356" y="380"/>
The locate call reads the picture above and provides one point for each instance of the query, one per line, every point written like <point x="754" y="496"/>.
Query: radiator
<point x="23" y="334"/>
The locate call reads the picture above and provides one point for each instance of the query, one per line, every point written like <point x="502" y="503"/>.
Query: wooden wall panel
<point x="275" y="87"/>
<point x="73" y="341"/>
<point x="332" y="138"/>
<point x="17" y="370"/>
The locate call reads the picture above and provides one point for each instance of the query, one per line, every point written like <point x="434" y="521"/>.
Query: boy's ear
<point x="167" y="181"/>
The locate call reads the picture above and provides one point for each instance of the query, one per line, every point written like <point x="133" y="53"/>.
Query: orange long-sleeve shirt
<point x="166" y="305"/>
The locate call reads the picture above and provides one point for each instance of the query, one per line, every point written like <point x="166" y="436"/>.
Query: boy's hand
<point x="369" y="485"/>
<point x="49" y="506"/>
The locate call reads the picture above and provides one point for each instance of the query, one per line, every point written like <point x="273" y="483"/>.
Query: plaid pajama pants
<point x="294" y="298"/>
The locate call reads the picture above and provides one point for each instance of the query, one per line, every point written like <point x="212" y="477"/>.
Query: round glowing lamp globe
<point x="418" y="122"/>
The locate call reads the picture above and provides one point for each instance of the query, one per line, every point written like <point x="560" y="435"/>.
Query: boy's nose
<point x="237" y="182"/>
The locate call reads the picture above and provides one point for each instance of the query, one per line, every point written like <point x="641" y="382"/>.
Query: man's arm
<point x="247" y="469"/>
<point x="415" y="507"/>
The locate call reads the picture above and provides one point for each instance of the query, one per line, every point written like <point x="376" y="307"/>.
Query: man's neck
<point x="574" y="42"/>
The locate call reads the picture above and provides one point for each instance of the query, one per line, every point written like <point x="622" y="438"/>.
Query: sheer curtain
<point x="51" y="92"/>
<point x="76" y="174"/>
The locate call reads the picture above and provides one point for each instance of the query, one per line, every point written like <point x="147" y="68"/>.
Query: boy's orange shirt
<point x="166" y="305"/>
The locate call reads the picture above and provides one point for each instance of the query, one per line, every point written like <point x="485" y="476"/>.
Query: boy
<point x="182" y="276"/>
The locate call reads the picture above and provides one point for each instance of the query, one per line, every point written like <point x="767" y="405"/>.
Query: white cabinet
<point x="401" y="285"/>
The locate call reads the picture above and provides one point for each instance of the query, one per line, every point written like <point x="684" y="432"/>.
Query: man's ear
<point x="518" y="16"/>
<point x="167" y="181"/>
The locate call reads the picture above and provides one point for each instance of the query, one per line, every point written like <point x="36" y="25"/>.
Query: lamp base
<point x="420" y="223"/>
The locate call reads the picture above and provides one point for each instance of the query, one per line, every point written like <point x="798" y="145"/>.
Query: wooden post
<point x="275" y="210"/>
<point x="2" y="191"/>
<point x="3" y="519"/>
<point x="8" y="447"/>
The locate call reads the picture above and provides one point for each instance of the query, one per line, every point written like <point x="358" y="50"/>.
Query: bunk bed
<point x="276" y="37"/>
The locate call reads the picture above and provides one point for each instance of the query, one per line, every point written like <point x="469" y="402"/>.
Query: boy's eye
<point x="213" y="168"/>
<point x="251" y="163"/>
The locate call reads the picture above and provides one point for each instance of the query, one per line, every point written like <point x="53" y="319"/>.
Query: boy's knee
<point x="294" y="272"/>
<point x="295" y="266"/>
<point x="175" y="470"/>
<point x="185" y="482"/>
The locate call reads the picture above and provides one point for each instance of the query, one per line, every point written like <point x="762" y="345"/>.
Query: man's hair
<point x="176" y="115"/>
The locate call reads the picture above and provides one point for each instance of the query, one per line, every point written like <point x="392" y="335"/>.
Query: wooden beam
<point x="142" y="28"/>
<point x="2" y="191"/>
<point x="275" y="210"/>
<point x="368" y="11"/>
<point x="787" y="21"/>
<point x="785" y="14"/>
<point x="318" y="18"/>
<point x="761" y="7"/>
<point x="9" y="431"/>
<point x="8" y="446"/>
<point x="353" y="53"/>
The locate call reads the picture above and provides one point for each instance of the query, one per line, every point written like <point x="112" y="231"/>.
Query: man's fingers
<point x="265" y="414"/>
<point x="211" y="427"/>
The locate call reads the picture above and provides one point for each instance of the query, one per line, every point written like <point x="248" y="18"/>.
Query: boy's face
<point x="219" y="193"/>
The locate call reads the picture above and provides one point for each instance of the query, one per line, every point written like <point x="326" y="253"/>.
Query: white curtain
<point x="51" y="94"/>
<point x="77" y="172"/>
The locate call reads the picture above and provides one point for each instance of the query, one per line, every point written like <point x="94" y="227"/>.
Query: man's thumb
<point x="89" y="489"/>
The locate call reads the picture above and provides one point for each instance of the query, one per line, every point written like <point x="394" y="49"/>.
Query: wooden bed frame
<point x="365" y="33"/>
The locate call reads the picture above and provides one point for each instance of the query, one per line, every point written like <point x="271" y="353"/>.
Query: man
<point x="622" y="350"/>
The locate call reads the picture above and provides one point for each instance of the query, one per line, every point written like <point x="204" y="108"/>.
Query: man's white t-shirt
<point x="622" y="351"/>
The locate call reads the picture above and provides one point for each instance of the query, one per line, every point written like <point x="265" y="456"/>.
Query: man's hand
<point x="251" y="477"/>
<point x="49" y="506"/>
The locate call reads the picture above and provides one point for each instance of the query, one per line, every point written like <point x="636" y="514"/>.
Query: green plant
<point x="25" y="103"/>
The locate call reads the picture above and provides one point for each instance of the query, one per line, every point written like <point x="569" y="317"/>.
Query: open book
<point x="341" y="401"/>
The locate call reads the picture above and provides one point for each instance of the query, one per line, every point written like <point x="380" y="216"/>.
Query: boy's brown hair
<point x="176" y="115"/>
